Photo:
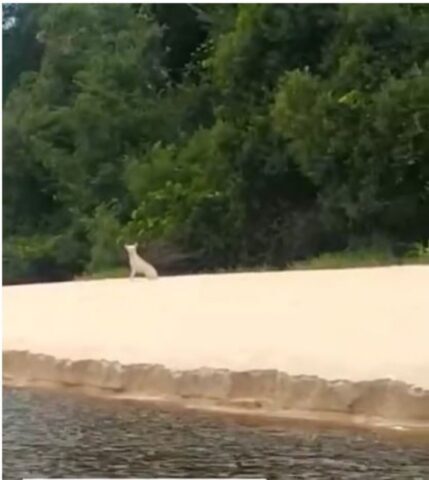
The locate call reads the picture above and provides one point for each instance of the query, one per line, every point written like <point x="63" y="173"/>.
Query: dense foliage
<point x="217" y="136"/>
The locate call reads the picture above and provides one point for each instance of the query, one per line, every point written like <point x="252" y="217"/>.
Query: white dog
<point x="138" y="265"/>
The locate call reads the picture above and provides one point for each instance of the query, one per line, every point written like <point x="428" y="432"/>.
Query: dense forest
<point x="219" y="137"/>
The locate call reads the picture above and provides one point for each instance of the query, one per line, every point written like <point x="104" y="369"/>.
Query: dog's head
<point x="131" y="248"/>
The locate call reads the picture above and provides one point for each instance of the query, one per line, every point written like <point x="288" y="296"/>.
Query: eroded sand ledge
<point x="269" y="391"/>
<point x="227" y="341"/>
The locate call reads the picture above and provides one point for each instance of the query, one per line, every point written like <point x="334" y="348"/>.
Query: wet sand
<point x="356" y="325"/>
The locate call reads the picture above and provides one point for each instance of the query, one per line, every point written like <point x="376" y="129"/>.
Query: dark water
<point x="57" y="435"/>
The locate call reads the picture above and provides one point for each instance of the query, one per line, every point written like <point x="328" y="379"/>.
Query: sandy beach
<point x="355" y="325"/>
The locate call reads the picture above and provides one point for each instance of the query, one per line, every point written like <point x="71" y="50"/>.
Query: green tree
<point x="227" y="136"/>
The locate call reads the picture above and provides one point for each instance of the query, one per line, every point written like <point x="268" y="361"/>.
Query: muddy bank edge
<point x="272" y="393"/>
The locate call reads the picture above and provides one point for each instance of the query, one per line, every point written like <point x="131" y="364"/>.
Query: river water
<point x="51" y="434"/>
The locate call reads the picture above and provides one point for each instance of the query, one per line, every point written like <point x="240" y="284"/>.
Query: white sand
<point x="354" y="324"/>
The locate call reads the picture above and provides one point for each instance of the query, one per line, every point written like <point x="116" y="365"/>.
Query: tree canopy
<point x="216" y="136"/>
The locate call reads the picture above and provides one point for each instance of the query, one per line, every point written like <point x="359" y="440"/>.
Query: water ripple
<point x="54" y="434"/>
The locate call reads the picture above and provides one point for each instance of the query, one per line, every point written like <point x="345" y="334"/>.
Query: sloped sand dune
<point x="359" y="326"/>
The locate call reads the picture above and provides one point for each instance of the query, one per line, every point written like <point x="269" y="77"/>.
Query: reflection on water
<point x="57" y="435"/>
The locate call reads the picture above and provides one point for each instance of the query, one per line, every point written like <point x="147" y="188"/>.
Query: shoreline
<point x="412" y="434"/>
<point x="266" y="396"/>
<point x="349" y="343"/>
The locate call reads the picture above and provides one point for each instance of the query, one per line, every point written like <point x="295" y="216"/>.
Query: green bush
<point x="418" y="253"/>
<point x="370" y="257"/>
<point x="32" y="259"/>
<point x="104" y="234"/>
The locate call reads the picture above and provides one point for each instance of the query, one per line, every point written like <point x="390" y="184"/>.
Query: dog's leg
<point x="132" y="273"/>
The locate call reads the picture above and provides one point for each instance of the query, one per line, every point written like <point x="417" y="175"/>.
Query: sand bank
<point x="307" y="329"/>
